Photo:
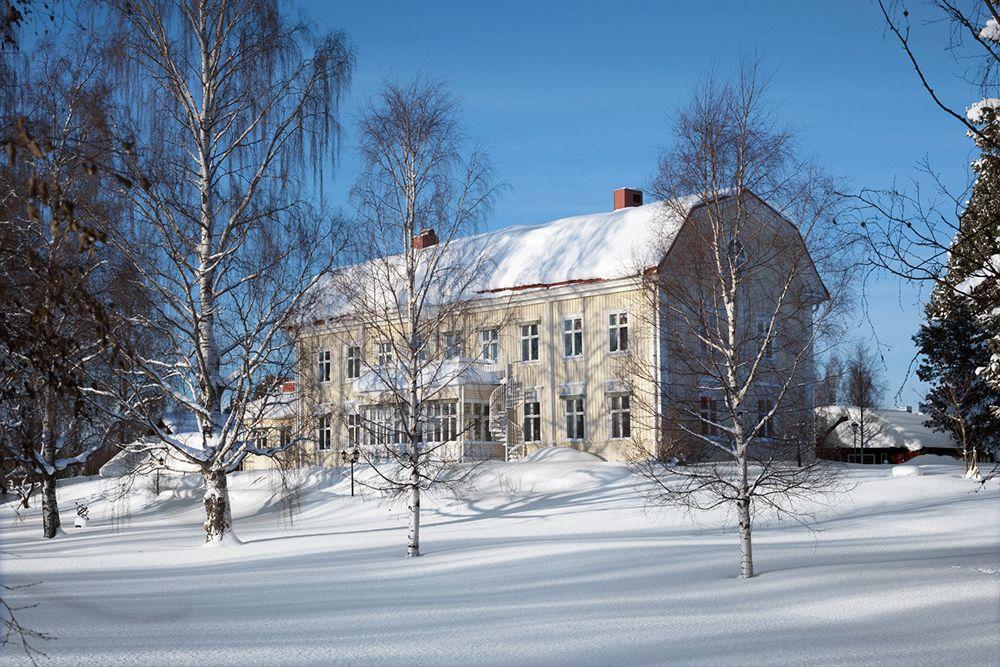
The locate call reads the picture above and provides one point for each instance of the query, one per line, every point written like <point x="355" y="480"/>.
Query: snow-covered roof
<point x="606" y="245"/>
<point x="582" y="248"/>
<point x="891" y="429"/>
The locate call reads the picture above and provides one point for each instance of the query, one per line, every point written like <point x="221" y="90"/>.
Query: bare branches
<point x="748" y="292"/>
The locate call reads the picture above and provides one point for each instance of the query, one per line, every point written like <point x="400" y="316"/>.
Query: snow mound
<point x="560" y="455"/>
<point x="906" y="471"/>
<point x="933" y="460"/>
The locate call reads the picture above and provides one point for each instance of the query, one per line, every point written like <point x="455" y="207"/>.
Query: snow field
<point x="551" y="561"/>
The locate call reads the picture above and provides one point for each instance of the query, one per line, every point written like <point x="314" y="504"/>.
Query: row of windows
<point x="618" y="341"/>
<point x="384" y="428"/>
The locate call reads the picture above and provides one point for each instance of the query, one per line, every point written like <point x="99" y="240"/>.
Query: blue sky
<point x="573" y="99"/>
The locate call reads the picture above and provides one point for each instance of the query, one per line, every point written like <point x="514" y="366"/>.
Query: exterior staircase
<point x="504" y="425"/>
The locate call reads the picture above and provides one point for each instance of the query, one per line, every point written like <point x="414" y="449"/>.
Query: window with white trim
<point x="529" y="342"/>
<point x="284" y="436"/>
<point x="453" y="344"/>
<point x="618" y="332"/>
<point x="573" y="337"/>
<point x="385" y="353"/>
<point x="621" y="415"/>
<point x="575" y="418"/>
<point x="442" y="422"/>
<point x="708" y="410"/>
<point x="477" y="422"/>
<point x="325" y="365"/>
<point x="324" y="433"/>
<point x="767" y="341"/>
<point x="353" y="357"/>
<point x="765" y="404"/>
<point x="260" y="438"/>
<point x="354" y="430"/>
<point x="532" y="421"/>
<point x="490" y="339"/>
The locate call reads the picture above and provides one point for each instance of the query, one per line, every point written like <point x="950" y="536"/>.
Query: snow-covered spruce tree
<point x="956" y="249"/>
<point x="412" y="290"/>
<point x="953" y="345"/>
<point x="742" y="312"/>
<point x="60" y="285"/>
<point x="228" y="114"/>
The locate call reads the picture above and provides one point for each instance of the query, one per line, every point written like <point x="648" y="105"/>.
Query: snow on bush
<point x="906" y="471"/>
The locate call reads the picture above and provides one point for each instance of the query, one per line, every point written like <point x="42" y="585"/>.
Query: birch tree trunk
<point x="50" y="505"/>
<point x="218" y="514"/>
<point x="413" y="505"/>
<point x="746" y="546"/>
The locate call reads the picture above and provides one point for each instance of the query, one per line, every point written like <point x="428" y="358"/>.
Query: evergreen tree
<point x="953" y="344"/>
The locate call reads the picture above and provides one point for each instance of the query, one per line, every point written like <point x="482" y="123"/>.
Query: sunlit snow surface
<point x="550" y="562"/>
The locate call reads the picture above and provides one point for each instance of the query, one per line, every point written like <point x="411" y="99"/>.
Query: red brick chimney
<point x="287" y="387"/>
<point x="625" y="197"/>
<point x="425" y="239"/>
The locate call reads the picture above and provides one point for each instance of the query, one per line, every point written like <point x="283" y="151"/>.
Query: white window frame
<point x="620" y="416"/>
<point x="618" y="333"/>
<point x="490" y="344"/>
<point x="575" y="408"/>
<point x="763" y="322"/>
<point x="477" y="421"/>
<point x="441" y="424"/>
<point x="352" y="355"/>
<point x="324" y="366"/>
<point x="766" y="401"/>
<point x="355" y="432"/>
<point x="453" y="344"/>
<point x="385" y="354"/>
<point x="708" y="415"/>
<point x="529" y="341"/>
<point x="532" y="423"/>
<point x="324" y="434"/>
<point x="572" y="328"/>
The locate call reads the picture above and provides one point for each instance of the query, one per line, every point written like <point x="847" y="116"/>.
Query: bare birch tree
<point x="742" y="303"/>
<point x="229" y="109"/>
<point x="410" y="299"/>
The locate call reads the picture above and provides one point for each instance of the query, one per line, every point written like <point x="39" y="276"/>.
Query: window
<point x="353" y="362"/>
<point x="621" y="416"/>
<point x="324" y="435"/>
<point x="573" y="337"/>
<point x="765" y="403"/>
<point x="529" y="342"/>
<point x="260" y="438"/>
<point x="325" y="361"/>
<point x="477" y="422"/>
<point x="383" y="426"/>
<point x="452" y="345"/>
<point x="618" y="332"/>
<point x="384" y="354"/>
<point x="284" y="436"/>
<point x="709" y="412"/>
<point x="532" y="422"/>
<point x="574" y="419"/>
<point x="354" y="430"/>
<point x="491" y="344"/>
<point x="422" y="348"/>
<point x="763" y="323"/>
<point x="442" y="422"/>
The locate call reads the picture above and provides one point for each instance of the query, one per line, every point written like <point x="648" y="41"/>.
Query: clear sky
<point x="573" y="99"/>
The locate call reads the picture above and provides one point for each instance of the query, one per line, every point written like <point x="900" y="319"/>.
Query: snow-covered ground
<point x="554" y="561"/>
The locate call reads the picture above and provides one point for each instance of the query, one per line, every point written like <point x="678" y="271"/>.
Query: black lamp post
<point x="351" y="456"/>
